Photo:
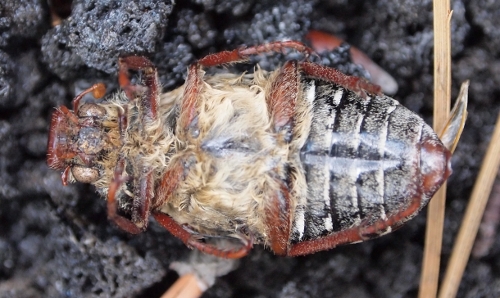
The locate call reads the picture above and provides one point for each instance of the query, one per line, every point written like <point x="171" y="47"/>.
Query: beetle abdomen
<point x="362" y="162"/>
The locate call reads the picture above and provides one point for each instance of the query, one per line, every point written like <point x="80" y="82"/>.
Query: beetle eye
<point x="85" y="174"/>
<point x="91" y="110"/>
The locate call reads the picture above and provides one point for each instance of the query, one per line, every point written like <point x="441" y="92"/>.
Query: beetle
<point x="301" y="158"/>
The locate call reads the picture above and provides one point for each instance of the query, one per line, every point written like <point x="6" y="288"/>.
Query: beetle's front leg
<point x="140" y="204"/>
<point x="243" y="54"/>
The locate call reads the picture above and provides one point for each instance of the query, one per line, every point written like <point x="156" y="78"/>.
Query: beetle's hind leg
<point x="357" y="85"/>
<point x="194" y="240"/>
<point x="367" y="230"/>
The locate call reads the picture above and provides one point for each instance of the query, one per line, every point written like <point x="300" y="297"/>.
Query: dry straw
<point x="442" y="94"/>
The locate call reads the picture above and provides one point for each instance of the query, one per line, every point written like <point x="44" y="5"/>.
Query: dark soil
<point x="56" y="241"/>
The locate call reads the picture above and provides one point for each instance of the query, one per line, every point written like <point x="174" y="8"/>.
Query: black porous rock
<point x="20" y="20"/>
<point x="98" y="32"/>
<point x="56" y="241"/>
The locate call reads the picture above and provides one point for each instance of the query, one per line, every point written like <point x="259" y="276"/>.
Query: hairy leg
<point x="282" y="100"/>
<point x="194" y="240"/>
<point x="242" y="54"/>
<point x="357" y="85"/>
<point x="114" y="187"/>
<point x="150" y="94"/>
<point x="356" y="234"/>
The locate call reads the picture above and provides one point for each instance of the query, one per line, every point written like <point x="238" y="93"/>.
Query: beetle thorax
<point x="229" y="159"/>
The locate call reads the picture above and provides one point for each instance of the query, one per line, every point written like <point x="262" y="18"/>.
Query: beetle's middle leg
<point x="141" y="205"/>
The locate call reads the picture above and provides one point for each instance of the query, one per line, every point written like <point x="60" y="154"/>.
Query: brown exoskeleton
<point x="300" y="159"/>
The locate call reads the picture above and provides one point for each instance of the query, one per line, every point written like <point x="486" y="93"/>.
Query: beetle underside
<point x="302" y="159"/>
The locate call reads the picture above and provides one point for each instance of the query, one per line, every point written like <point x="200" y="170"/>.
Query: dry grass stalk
<point x="472" y="218"/>
<point x="442" y="94"/>
<point x="187" y="286"/>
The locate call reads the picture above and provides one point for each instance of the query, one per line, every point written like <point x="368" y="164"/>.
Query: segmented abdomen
<point x="361" y="161"/>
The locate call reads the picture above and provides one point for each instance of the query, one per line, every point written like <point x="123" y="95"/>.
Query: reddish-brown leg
<point x="357" y="85"/>
<point x="323" y="42"/>
<point x="355" y="234"/>
<point x="164" y="191"/>
<point x="283" y="95"/>
<point x="192" y="89"/>
<point x="168" y="184"/>
<point x="278" y="220"/>
<point x="149" y="95"/>
<point x="243" y="54"/>
<point x="284" y="87"/>
<point x="142" y="201"/>
<point x="68" y="114"/>
<point x="124" y="223"/>
<point x="185" y="123"/>
<point x="282" y="101"/>
<point x="193" y="240"/>
<point x="236" y="253"/>
<point x="148" y="103"/>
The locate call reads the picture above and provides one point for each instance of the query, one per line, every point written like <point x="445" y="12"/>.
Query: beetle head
<point x="76" y="141"/>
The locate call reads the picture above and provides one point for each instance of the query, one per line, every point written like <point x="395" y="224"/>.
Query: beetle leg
<point x="278" y="220"/>
<point x="124" y="223"/>
<point x="236" y="253"/>
<point x="322" y="42"/>
<point x="357" y="85"/>
<point x="63" y="110"/>
<point x="365" y="231"/>
<point x="192" y="89"/>
<point x="281" y="101"/>
<point x="142" y="202"/>
<point x="149" y="95"/>
<point x="168" y="184"/>
<point x="311" y="246"/>
<point x="193" y="240"/>
<point x="283" y="98"/>
<point x="242" y="54"/>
